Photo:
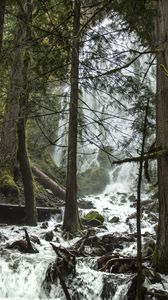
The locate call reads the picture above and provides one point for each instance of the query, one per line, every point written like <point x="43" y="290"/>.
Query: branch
<point x="93" y="16"/>
<point x="112" y="71"/>
<point x="152" y="155"/>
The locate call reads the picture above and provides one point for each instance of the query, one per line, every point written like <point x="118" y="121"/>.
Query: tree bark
<point x="2" y="14"/>
<point x="30" y="203"/>
<point x="71" y="218"/>
<point x="162" y="135"/>
<point x="8" y="145"/>
<point x="49" y="183"/>
<point x="139" y="241"/>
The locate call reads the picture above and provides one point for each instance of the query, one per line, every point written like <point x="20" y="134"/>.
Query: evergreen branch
<point x="112" y="71"/>
<point x="92" y="17"/>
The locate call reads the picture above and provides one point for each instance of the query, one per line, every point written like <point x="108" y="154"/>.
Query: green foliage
<point x="93" y="181"/>
<point x="139" y="16"/>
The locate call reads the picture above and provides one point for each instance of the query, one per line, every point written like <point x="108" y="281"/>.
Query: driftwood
<point x="120" y="265"/>
<point x="24" y="246"/>
<point x="48" y="183"/>
<point x="63" y="266"/>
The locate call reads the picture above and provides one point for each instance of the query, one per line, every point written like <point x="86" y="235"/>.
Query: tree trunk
<point x="30" y="204"/>
<point x="71" y="218"/>
<point x="8" y="145"/>
<point x="48" y="183"/>
<point x="31" y="213"/>
<point x="162" y="135"/>
<point x="139" y="237"/>
<point x="2" y="14"/>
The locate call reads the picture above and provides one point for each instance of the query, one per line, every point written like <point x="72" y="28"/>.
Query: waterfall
<point x="106" y="121"/>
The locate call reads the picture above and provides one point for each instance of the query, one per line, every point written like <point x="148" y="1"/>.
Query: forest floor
<point x="43" y="199"/>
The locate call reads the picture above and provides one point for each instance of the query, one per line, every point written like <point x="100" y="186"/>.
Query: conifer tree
<point x="71" y="218"/>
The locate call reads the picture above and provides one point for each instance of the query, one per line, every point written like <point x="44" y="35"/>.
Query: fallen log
<point x="48" y="183"/>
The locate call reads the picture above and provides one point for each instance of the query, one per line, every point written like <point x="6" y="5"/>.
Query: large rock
<point x="114" y="219"/>
<point x="94" y="214"/>
<point x="85" y="204"/>
<point x="93" y="218"/>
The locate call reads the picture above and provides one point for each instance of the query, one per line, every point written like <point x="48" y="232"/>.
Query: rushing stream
<point x="22" y="275"/>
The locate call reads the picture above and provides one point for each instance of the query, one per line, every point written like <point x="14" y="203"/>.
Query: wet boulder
<point x="44" y="225"/>
<point x="49" y="236"/>
<point x="93" y="218"/>
<point x="114" y="219"/>
<point x="35" y="239"/>
<point x="85" y="204"/>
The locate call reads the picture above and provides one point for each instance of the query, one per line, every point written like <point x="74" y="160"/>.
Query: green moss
<point x="93" y="181"/>
<point x="8" y="186"/>
<point x="93" y="218"/>
<point x="94" y="214"/>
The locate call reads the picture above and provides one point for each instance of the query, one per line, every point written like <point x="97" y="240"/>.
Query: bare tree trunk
<point x="2" y="14"/>
<point x="162" y="135"/>
<point x="71" y="218"/>
<point x="30" y="204"/>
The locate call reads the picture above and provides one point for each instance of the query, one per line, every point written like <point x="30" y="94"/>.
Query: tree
<point x="71" y="217"/>
<point x="25" y="168"/>
<point x="13" y="149"/>
<point x="162" y="134"/>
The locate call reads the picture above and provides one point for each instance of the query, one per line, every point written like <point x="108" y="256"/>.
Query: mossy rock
<point x="93" y="218"/>
<point x="114" y="219"/>
<point x="93" y="181"/>
<point x="93" y="223"/>
<point x="8" y="186"/>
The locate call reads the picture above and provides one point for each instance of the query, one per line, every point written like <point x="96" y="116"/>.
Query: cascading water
<point x="22" y="275"/>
